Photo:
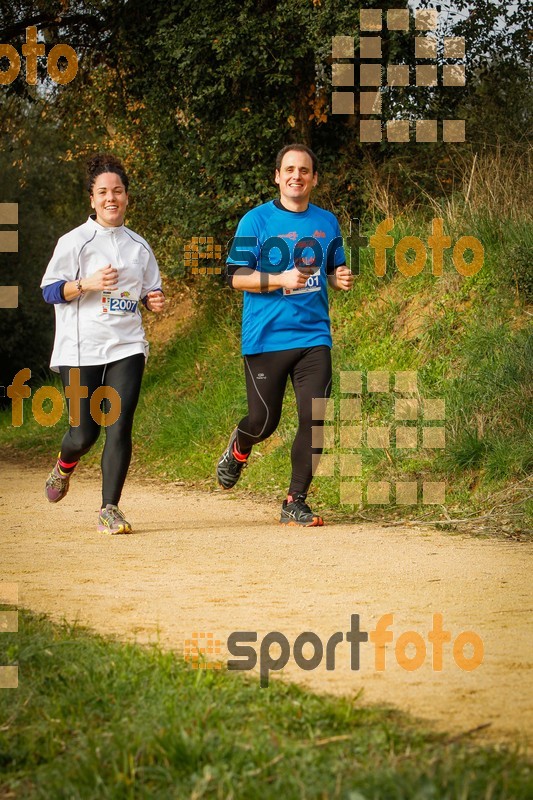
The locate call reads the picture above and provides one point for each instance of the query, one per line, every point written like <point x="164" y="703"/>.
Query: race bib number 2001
<point x="118" y="303"/>
<point x="312" y="285"/>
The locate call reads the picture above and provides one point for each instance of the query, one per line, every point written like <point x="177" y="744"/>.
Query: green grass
<point x="94" y="718"/>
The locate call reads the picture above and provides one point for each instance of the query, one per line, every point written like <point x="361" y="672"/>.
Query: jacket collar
<point x="101" y="228"/>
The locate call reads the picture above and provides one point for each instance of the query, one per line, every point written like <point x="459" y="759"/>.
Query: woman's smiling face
<point x="109" y="199"/>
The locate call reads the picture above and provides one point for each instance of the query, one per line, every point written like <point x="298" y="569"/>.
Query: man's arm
<point x="245" y="279"/>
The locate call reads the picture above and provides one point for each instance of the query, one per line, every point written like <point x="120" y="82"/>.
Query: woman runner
<point x="97" y="275"/>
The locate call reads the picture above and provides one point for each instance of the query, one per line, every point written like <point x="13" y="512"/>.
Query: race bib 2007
<point x="118" y="303"/>
<point x="312" y="285"/>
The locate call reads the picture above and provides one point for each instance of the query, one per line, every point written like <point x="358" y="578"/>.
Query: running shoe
<point x="297" y="512"/>
<point x="229" y="468"/>
<point x="56" y="485"/>
<point x="112" y="520"/>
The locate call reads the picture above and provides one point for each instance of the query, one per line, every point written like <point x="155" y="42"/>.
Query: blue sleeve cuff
<point x="53" y="293"/>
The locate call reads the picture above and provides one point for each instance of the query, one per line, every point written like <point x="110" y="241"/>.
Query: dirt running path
<point x="217" y="563"/>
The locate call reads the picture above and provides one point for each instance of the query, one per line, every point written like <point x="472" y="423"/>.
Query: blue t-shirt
<point x="266" y="239"/>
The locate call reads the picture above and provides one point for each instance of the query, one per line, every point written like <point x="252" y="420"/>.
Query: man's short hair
<point x="302" y="148"/>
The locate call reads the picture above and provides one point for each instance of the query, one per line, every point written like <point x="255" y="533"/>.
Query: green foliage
<point x="519" y="261"/>
<point x="468" y="450"/>
<point x="50" y="201"/>
<point x="217" y="130"/>
<point x="491" y="402"/>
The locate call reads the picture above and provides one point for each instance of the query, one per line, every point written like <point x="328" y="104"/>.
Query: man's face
<point x="295" y="177"/>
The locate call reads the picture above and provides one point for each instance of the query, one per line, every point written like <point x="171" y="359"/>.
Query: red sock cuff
<point x="65" y="465"/>
<point x="239" y="456"/>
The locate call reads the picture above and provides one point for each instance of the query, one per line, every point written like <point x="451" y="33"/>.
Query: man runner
<point x="284" y="254"/>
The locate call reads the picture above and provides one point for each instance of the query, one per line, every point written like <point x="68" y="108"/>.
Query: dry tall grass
<point x="494" y="182"/>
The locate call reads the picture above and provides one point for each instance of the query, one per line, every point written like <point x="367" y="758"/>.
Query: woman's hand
<point x="155" y="301"/>
<point x="103" y="280"/>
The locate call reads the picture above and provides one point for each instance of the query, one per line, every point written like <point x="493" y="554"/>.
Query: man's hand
<point x="296" y="278"/>
<point x="252" y="280"/>
<point x="342" y="279"/>
<point x="155" y="301"/>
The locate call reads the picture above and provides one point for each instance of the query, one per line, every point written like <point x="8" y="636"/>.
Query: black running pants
<point x="266" y="377"/>
<point x="125" y="377"/>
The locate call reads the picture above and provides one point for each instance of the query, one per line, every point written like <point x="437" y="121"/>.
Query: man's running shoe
<point x="56" y="485"/>
<point x="112" y="520"/>
<point x="297" y="512"/>
<point x="229" y="468"/>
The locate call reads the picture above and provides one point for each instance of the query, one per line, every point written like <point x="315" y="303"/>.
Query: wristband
<point x="79" y="287"/>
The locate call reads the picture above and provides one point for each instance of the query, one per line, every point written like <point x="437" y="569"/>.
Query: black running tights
<point x="125" y="377"/>
<point x="266" y="377"/>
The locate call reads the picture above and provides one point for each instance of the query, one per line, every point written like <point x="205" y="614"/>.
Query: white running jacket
<point x="100" y="327"/>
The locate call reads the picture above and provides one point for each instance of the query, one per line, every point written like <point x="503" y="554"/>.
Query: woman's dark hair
<point x="302" y="148"/>
<point x="104" y="162"/>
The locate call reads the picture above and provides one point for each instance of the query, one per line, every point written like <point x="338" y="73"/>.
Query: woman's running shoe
<point x="296" y="512"/>
<point x="56" y="485"/>
<point x="112" y="520"/>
